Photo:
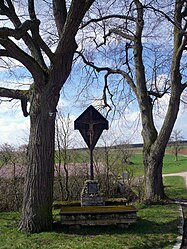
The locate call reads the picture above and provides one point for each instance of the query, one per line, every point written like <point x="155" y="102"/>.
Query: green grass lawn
<point x="175" y="187"/>
<point x="172" y="166"/>
<point x="156" y="228"/>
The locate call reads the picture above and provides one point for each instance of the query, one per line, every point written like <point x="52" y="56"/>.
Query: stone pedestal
<point x="90" y="195"/>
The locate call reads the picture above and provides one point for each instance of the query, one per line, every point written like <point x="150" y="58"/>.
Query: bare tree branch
<point x="18" y="33"/>
<point x="4" y="9"/>
<point x="87" y="4"/>
<point x="95" y="20"/>
<point x="67" y="45"/>
<point x="10" y="5"/>
<point x="22" y="95"/>
<point x="4" y="52"/>
<point x="110" y="71"/>
<point x="31" y="10"/>
<point x="15" y="52"/>
<point x="60" y="14"/>
<point x="179" y="47"/>
<point x="35" y="32"/>
<point x="45" y="48"/>
<point x="31" y="44"/>
<point x="122" y="34"/>
<point x="13" y="94"/>
<point x="184" y="85"/>
<point x="158" y="94"/>
<point x="105" y="91"/>
<point x="162" y="13"/>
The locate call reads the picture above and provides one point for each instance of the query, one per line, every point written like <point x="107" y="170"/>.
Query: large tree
<point x="49" y="61"/>
<point x="144" y="47"/>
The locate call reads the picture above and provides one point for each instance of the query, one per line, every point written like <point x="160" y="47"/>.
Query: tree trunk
<point x="154" y="149"/>
<point x="38" y="195"/>
<point x="154" y="189"/>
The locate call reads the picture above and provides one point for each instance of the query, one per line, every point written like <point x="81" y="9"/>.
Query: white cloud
<point x="181" y="123"/>
<point x="13" y="131"/>
<point x="13" y="126"/>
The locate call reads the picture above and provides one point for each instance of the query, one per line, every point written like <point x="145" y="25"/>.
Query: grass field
<point x="175" y="187"/>
<point x="156" y="227"/>
<point x="172" y="166"/>
<point x="169" y="164"/>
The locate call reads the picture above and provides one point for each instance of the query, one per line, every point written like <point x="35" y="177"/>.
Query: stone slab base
<point x="98" y="215"/>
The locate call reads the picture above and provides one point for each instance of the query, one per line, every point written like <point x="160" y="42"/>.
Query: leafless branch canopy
<point x="26" y="36"/>
<point x="127" y="33"/>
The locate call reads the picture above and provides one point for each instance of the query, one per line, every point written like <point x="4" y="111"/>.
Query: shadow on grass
<point x="144" y="229"/>
<point x="141" y="227"/>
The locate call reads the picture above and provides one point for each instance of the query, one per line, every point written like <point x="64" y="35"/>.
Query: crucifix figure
<point x="91" y="124"/>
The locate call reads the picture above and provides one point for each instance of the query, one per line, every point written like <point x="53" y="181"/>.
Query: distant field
<point x="116" y="163"/>
<point x="114" y="159"/>
<point x="169" y="164"/>
<point x="183" y="151"/>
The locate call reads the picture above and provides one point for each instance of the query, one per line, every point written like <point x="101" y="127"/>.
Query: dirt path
<point x="183" y="202"/>
<point x="184" y="209"/>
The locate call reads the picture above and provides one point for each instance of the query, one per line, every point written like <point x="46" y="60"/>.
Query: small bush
<point x="11" y="194"/>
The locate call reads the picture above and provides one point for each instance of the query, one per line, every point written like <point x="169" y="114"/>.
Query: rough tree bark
<point x="152" y="162"/>
<point x="38" y="194"/>
<point x="43" y="96"/>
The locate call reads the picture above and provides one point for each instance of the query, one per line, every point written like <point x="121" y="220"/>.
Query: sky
<point x="14" y="128"/>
